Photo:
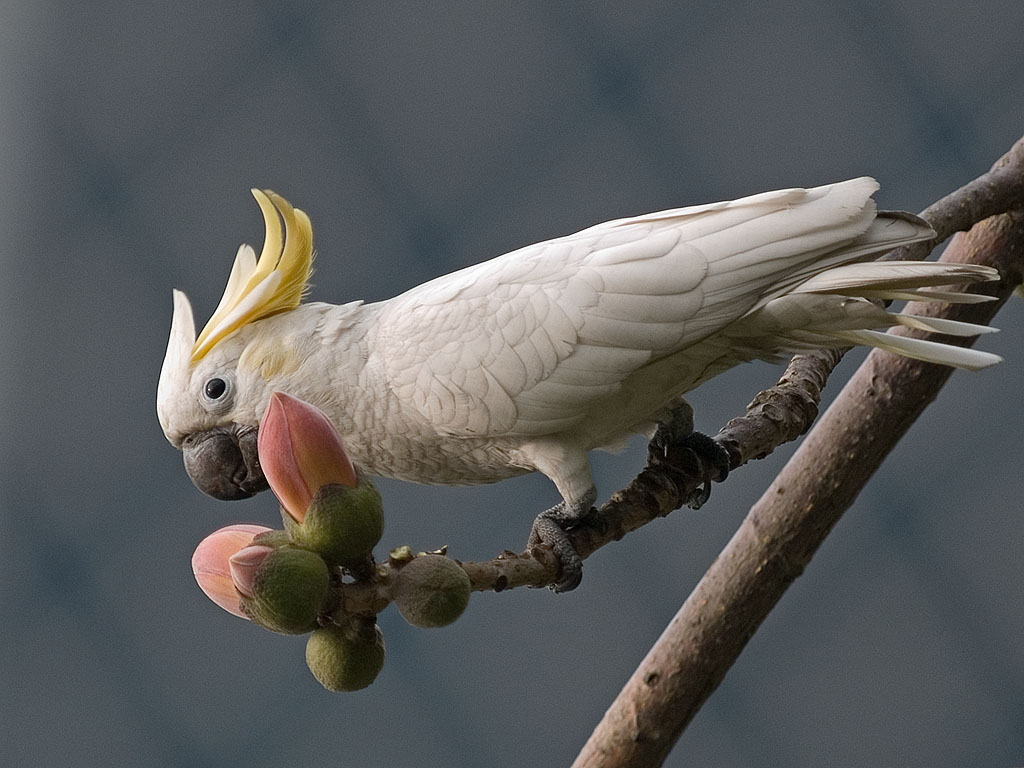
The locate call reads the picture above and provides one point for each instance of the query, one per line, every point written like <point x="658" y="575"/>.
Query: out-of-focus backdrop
<point x="422" y="138"/>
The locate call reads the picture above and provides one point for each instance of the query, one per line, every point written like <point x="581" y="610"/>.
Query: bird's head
<point x="214" y="388"/>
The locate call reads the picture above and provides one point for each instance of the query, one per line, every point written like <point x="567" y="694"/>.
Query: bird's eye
<point x="214" y="389"/>
<point x="216" y="394"/>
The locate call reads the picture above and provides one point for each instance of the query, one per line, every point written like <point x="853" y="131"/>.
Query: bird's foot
<point x="713" y="458"/>
<point x="549" y="528"/>
<point x="675" y="435"/>
<point x="674" y="429"/>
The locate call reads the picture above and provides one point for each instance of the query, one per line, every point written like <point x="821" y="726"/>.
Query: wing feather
<point x="525" y="343"/>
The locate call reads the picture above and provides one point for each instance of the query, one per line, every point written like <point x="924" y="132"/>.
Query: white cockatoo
<point x="528" y="361"/>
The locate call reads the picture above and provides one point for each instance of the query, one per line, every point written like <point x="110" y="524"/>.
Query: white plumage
<point x="528" y="361"/>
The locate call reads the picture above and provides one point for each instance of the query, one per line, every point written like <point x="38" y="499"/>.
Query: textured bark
<point x="787" y="525"/>
<point x="776" y="416"/>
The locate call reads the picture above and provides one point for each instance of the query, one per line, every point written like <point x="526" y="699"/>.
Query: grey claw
<point x="549" y="529"/>
<point x="676" y="427"/>
<point x="712" y="455"/>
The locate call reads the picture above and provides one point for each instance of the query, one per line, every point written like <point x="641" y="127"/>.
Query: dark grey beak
<point x="223" y="462"/>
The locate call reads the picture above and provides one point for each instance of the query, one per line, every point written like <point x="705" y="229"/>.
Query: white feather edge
<point x="943" y="325"/>
<point x="238" y="316"/>
<point x="241" y="270"/>
<point x="883" y="276"/>
<point x="925" y="295"/>
<point x="922" y="349"/>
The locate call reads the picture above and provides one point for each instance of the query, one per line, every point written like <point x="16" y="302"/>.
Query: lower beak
<point x="223" y="462"/>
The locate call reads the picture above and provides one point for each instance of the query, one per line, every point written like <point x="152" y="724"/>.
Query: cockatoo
<point x="528" y="361"/>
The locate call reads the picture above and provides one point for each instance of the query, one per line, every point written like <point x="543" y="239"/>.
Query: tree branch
<point x="998" y="191"/>
<point x="786" y="526"/>
<point x="776" y="416"/>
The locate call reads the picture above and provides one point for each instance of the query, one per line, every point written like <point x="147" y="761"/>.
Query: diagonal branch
<point x="786" y="526"/>
<point x="776" y="416"/>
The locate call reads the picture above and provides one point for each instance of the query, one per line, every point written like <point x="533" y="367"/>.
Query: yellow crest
<point x="276" y="283"/>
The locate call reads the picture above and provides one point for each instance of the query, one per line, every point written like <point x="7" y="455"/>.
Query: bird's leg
<point x="675" y="433"/>
<point x="674" y="428"/>
<point x="549" y="528"/>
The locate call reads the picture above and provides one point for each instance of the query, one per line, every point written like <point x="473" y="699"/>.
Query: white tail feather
<point x="897" y="281"/>
<point x="922" y="294"/>
<point x="942" y="325"/>
<point x="880" y="277"/>
<point x="922" y="349"/>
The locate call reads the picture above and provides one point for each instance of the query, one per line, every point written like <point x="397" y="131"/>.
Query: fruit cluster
<point x="289" y="581"/>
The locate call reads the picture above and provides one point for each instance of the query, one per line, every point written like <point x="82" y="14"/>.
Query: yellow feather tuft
<point x="276" y="283"/>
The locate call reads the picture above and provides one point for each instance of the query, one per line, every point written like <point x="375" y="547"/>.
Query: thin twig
<point x="776" y="416"/>
<point x="786" y="526"/>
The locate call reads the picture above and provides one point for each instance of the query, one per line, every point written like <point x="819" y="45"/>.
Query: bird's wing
<point x="522" y="344"/>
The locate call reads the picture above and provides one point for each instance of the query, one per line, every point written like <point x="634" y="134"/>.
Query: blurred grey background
<point x="422" y="138"/>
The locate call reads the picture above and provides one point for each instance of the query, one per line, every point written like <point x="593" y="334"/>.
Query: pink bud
<point x="211" y="564"/>
<point x="300" y="451"/>
<point x="244" y="564"/>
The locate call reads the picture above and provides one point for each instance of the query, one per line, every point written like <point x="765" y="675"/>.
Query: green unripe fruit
<point x="346" y="658"/>
<point x="343" y="524"/>
<point x="273" y="539"/>
<point x="431" y="591"/>
<point x="288" y="590"/>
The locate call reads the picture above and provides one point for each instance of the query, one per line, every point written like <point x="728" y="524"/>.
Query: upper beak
<point x="223" y="462"/>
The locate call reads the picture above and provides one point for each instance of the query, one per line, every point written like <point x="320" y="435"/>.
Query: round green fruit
<point x="431" y="591"/>
<point x="346" y="658"/>
<point x="343" y="524"/>
<point x="288" y="591"/>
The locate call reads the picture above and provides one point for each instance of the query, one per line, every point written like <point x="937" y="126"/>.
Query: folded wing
<point x="525" y="343"/>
